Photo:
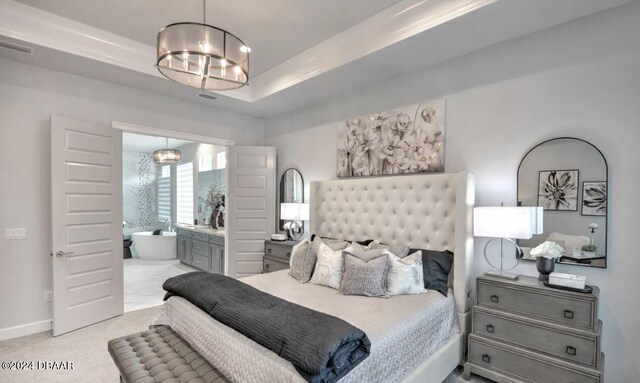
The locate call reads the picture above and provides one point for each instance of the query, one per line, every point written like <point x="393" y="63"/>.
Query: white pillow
<point x="328" y="270"/>
<point x="405" y="275"/>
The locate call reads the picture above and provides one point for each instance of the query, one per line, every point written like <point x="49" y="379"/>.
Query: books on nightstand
<point x="568" y="280"/>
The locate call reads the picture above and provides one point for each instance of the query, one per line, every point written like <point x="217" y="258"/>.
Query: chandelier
<point x="167" y="156"/>
<point x="202" y="56"/>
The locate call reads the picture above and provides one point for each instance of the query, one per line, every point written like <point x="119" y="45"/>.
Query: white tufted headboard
<point x="421" y="211"/>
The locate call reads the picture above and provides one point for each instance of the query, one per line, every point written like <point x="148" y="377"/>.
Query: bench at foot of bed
<point x="159" y="355"/>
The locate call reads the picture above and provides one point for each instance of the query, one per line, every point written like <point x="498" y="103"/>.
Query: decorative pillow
<point x="333" y="244"/>
<point x="405" y="275"/>
<point x="365" y="255"/>
<point x="365" y="242"/>
<point x="364" y="278"/>
<point x="328" y="270"/>
<point x="399" y="250"/>
<point x="436" y="266"/>
<point x="303" y="260"/>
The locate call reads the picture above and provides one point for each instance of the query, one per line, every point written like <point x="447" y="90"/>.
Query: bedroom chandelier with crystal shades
<point x="202" y="56"/>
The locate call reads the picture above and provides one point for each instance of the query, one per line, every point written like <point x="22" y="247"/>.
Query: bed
<point x="414" y="338"/>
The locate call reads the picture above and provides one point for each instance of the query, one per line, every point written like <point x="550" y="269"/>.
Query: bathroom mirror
<point x="291" y="190"/>
<point x="568" y="177"/>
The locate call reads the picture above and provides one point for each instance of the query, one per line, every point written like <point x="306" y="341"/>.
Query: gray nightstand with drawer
<point x="524" y="331"/>
<point x="277" y="255"/>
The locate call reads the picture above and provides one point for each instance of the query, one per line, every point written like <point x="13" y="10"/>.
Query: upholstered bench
<point x="159" y="355"/>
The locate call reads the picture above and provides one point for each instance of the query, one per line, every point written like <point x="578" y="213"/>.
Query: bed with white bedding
<point x="404" y="331"/>
<point x="413" y="337"/>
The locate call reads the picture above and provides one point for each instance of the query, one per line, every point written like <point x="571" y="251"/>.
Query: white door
<point x="86" y="192"/>
<point x="251" y="198"/>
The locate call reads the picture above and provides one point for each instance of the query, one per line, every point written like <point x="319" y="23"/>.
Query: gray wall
<point x="28" y="97"/>
<point x="577" y="79"/>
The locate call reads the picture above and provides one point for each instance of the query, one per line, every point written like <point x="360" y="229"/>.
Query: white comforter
<point x="404" y="330"/>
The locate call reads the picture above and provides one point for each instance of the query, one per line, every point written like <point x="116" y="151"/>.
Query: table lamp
<point x="506" y="223"/>
<point x="295" y="213"/>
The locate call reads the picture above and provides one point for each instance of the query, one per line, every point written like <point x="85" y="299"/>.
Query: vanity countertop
<point x="202" y="229"/>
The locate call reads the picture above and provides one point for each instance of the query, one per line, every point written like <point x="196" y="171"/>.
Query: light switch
<point x="17" y="233"/>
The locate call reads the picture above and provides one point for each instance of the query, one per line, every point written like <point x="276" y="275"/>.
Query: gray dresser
<point x="201" y="250"/>
<point x="523" y="331"/>
<point x="276" y="255"/>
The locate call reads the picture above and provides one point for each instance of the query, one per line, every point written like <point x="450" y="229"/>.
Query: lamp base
<point x="503" y="275"/>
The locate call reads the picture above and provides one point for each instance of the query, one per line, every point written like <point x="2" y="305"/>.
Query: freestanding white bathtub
<point x="155" y="247"/>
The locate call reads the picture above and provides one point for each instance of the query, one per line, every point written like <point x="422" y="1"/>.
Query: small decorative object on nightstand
<point x="523" y="331"/>
<point x="506" y="223"/>
<point x="276" y="255"/>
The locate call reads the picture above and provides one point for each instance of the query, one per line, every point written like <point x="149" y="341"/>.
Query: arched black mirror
<point x="568" y="177"/>
<point x="291" y="190"/>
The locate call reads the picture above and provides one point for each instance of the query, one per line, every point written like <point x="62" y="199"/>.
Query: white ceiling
<point x="295" y="82"/>
<point x="140" y="143"/>
<point x="274" y="29"/>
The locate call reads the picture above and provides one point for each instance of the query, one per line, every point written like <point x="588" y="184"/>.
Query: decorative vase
<point x="217" y="219"/>
<point x="213" y="220"/>
<point x="545" y="267"/>
<point x="220" y="219"/>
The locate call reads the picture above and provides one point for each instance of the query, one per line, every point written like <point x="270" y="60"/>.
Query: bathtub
<point x="155" y="247"/>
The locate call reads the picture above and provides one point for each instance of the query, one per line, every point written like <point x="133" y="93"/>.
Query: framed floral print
<point x="400" y="141"/>
<point x="558" y="190"/>
<point x="594" y="198"/>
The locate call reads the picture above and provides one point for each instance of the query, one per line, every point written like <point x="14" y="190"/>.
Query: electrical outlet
<point x="48" y="296"/>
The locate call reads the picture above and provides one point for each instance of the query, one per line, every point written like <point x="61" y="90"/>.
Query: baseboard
<point x="25" y="329"/>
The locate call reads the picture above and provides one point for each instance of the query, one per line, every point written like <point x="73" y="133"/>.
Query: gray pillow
<point x="365" y="255"/>
<point x="303" y="260"/>
<point x="333" y="244"/>
<point x="399" y="250"/>
<point x="364" y="278"/>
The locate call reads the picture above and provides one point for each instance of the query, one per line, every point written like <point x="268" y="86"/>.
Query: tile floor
<point x="143" y="281"/>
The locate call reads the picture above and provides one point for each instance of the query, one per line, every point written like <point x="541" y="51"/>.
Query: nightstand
<point x="277" y="255"/>
<point x="525" y="331"/>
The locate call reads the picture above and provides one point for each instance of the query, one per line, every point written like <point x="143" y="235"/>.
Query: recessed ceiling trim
<point x="401" y="21"/>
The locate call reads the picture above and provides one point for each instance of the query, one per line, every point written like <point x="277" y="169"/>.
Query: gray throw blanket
<point x="321" y="347"/>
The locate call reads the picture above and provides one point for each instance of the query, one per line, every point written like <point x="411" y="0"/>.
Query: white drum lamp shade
<point x="507" y="222"/>
<point x="294" y="211"/>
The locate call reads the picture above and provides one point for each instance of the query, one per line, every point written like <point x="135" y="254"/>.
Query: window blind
<point x="164" y="194"/>
<point x="184" y="193"/>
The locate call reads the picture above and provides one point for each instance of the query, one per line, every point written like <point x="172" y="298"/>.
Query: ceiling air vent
<point x="16" y="47"/>
<point x="208" y="96"/>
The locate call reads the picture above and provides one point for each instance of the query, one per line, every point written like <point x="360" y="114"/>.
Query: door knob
<point x="60" y="253"/>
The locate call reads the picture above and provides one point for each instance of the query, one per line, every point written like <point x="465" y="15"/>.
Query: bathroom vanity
<point x="201" y="247"/>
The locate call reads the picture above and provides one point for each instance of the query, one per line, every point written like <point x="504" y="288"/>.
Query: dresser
<point x="276" y="255"/>
<point x="201" y="250"/>
<point x="523" y="331"/>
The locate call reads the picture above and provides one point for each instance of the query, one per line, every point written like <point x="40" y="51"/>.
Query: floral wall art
<point x="400" y="141"/>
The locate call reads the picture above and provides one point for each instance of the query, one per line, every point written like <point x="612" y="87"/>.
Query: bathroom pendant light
<point x="202" y="56"/>
<point x="167" y="156"/>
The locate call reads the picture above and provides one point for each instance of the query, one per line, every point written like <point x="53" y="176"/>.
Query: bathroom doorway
<point x="165" y="204"/>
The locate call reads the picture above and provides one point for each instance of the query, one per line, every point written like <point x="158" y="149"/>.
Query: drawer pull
<point x="490" y="328"/>
<point x="486" y="358"/>
<point x="568" y="314"/>
<point x="269" y="250"/>
<point x="571" y="350"/>
<point x="288" y="255"/>
<point x="266" y="266"/>
<point x="494" y="299"/>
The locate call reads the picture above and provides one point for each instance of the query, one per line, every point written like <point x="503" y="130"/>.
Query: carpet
<point x="87" y="349"/>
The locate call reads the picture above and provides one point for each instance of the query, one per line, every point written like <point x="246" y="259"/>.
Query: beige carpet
<point x="87" y="349"/>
